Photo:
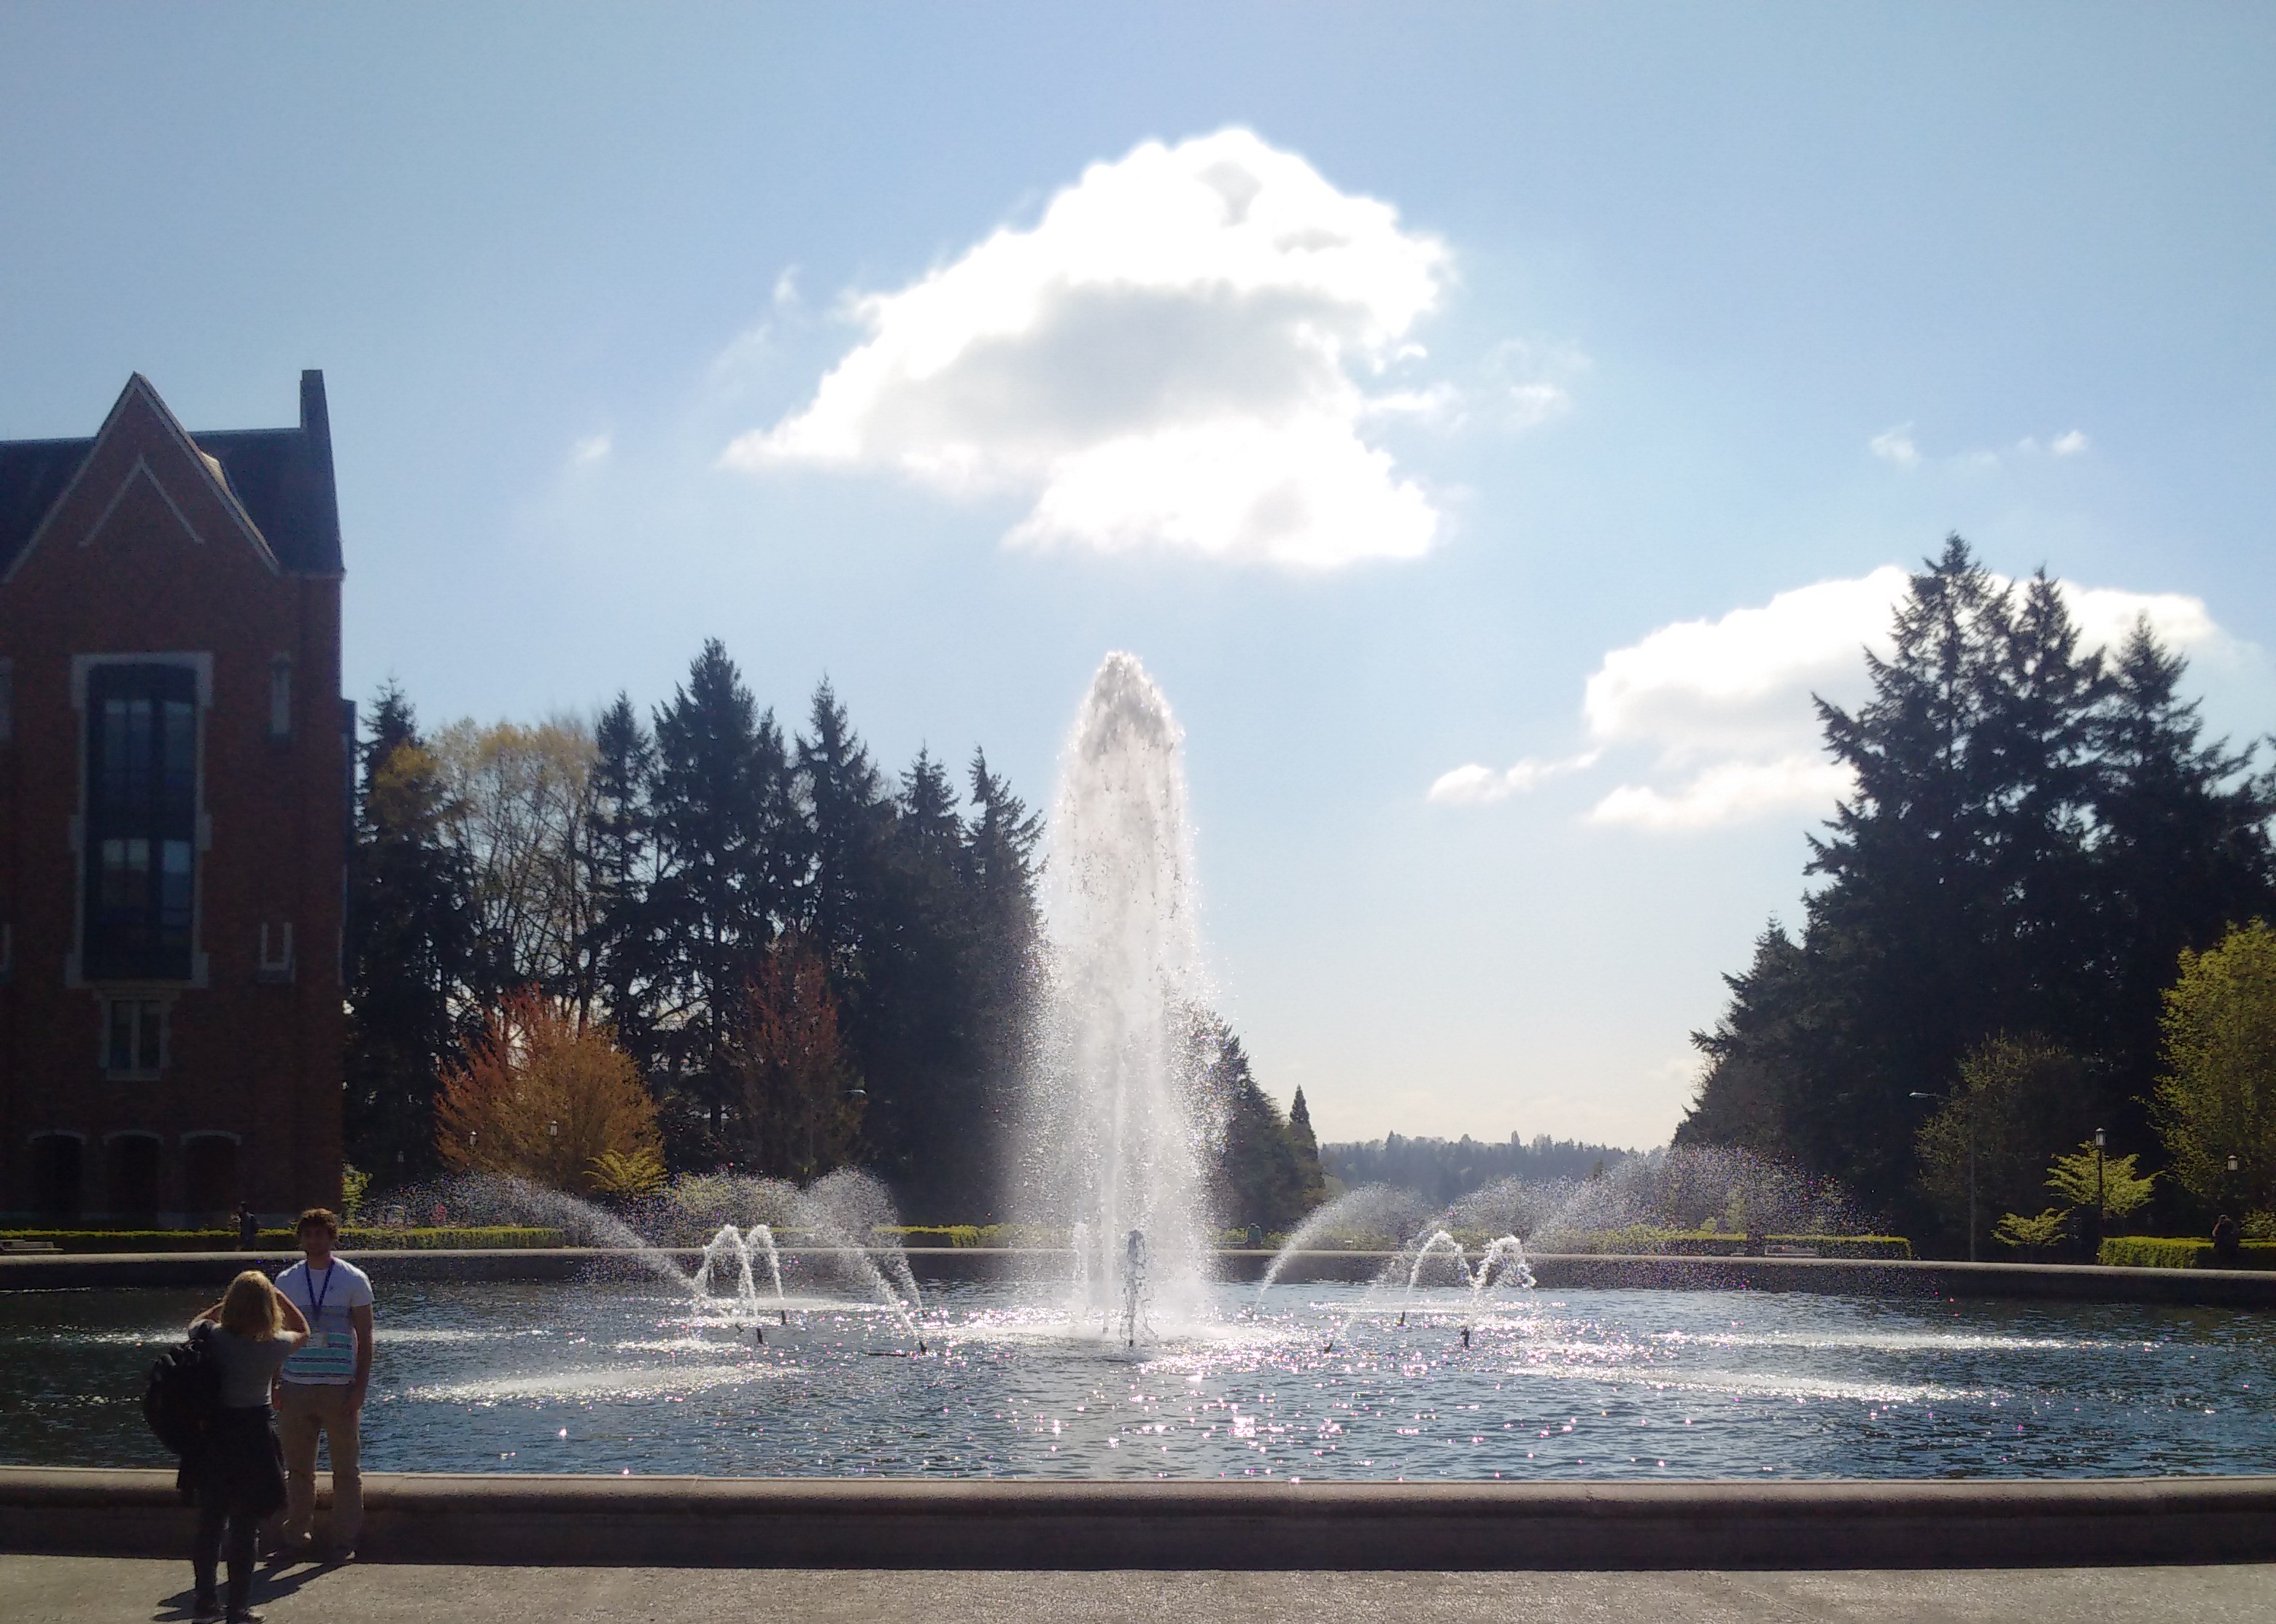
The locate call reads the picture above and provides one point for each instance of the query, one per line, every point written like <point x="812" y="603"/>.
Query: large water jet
<point x="1114" y="1124"/>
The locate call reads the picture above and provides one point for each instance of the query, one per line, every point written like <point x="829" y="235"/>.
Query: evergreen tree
<point x="724" y="830"/>
<point x="411" y="950"/>
<point x="920" y="1010"/>
<point x="1311" y="1178"/>
<point x="2184" y="854"/>
<point x="2035" y="836"/>
<point x="848" y="817"/>
<point x="615" y="958"/>
<point x="1259" y="1183"/>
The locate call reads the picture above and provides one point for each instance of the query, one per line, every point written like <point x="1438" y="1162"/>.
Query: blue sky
<point x="1439" y="400"/>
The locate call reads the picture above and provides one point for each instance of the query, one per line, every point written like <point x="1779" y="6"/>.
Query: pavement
<point x="36" y="1588"/>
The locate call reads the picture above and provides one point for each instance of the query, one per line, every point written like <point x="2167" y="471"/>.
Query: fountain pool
<point x="633" y="1376"/>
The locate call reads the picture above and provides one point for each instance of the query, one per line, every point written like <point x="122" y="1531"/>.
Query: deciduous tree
<point x="537" y="1098"/>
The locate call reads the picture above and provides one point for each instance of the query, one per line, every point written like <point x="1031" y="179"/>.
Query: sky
<point x="1489" y="424"/>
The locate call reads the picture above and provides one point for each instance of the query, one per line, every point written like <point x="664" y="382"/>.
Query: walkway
<point x="34" y="1589"/>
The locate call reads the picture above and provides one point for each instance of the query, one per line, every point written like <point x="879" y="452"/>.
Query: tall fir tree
<point x="411" y="959"/>
<point x="615" y="959"/>
<point x="2184" y="854"/>
<point x="1311" y="1178"/>
<point x="724" y="827"/>
<point x="2034" y="835"/>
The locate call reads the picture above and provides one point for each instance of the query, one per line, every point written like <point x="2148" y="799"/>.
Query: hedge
<point x="352" y="1239"/>
<point x="2179" y="1252"/>
<point x="1651" y="1241"/>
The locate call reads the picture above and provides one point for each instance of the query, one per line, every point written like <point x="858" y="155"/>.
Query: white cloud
<point x="1896" y="446"/>
<point x="1474" y="784"/>
<point x="1716" y="717"/>
<point x="1712" y="688"/>
<point x="593" y="448"/>
<point x="1727" y="792"/>
<point x="1176" y="354"/>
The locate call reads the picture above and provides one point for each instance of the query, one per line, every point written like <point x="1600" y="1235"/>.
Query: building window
<point x="280" y="699"/>
<point x="131" y="1182"/>
<point x="141" y="824"/>
<point x="278" y="968"/>
<point x="133" y="1037"/>
<point x="57" y="1174"/>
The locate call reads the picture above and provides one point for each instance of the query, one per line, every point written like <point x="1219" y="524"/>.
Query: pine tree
<point x="1258" y="1180"/>
<point x="2035" y="837"/>
<point x="615" y="959"/>
<point x="1311" y="1178"/>
<point x="849" y="817"/>
<point x="725" y="832"/>
<point x="2184" y="855"/>
<point x="411" y="958"/>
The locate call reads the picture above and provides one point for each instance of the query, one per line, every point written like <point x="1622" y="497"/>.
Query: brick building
<point x="174" y="782"/>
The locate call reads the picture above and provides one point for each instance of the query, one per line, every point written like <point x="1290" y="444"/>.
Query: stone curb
<point x="1555" y="1272"/>
<point x="993" y="1524"/>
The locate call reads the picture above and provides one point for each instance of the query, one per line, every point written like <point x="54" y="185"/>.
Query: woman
<point x="238" y="1470"/>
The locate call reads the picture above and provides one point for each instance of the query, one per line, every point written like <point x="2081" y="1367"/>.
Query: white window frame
<point x="146" y="1068"/>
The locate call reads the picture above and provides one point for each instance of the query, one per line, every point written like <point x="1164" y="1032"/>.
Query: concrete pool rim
<point x="523" y="1520"/>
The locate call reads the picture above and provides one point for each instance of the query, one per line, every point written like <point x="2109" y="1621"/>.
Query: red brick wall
<point x="261" y="1061"/>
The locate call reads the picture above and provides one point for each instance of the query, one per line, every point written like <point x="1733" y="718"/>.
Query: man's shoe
<point x="247" y="1617"/>
<point x="206" y="1609"/>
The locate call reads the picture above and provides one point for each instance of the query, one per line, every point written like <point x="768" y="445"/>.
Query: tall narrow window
<point x="141" y="822"/>
<point x="280" y="698"/>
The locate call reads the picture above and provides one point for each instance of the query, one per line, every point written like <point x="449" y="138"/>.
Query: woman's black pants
<point x="216" y="1515"/>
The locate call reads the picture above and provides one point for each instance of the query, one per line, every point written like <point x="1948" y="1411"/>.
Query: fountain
<point x="1114" y="1124"/>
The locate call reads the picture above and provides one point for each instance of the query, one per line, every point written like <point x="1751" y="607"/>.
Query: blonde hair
<point x="248" y="1308"/>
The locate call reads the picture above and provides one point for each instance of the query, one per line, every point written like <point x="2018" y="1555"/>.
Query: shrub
<point x="2178" y="1252"/>
<point x="352" y="1238"/>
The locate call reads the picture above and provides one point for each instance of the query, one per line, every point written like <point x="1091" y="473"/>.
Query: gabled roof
<point x="281" y="478"/>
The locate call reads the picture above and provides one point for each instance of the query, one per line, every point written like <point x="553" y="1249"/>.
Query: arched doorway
<point x="57" y="1171"/>
<point x="131" y="1178"/>
<point x="209" y="1177"/>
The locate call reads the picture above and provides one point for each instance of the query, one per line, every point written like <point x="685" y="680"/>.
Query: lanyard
<point x="316" y="1298"/>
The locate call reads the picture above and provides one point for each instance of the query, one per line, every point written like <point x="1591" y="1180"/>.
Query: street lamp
<point x="1971" y="1168"/>
<point x="2099" y="1199"/>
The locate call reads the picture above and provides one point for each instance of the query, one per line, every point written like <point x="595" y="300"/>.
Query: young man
<point x="321" y="1390"/>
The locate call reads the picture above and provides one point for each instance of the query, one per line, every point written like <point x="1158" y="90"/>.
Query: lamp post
<point x="1946" y="1098"/>
<point x="2100" y="1209"/>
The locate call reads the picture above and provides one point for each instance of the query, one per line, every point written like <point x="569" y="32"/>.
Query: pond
<point x="1315" y="1381"/>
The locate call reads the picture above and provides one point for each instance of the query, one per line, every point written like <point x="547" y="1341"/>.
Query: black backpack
<point x="184" y="1392"/>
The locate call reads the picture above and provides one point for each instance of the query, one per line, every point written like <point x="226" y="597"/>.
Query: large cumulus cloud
<point x="1183" y="352"/>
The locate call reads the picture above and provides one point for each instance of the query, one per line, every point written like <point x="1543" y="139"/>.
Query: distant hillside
<point x="1443" y="1169"/>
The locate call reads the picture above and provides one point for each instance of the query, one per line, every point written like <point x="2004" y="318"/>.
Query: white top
<point x="325" y="1296"/>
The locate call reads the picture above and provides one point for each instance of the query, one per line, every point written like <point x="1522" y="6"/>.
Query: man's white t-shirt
<point x="325" y="1296"/>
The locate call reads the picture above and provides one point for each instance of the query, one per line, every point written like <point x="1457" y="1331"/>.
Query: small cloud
<point x="592" y="449"/>
<point x="1534" y="404"/>
<point x="1531" y="380"/>
<point x="1175" y="355"/>
<point x="1727" y="792"/>
<point x="2069" y="445"/>
<point x="1896" y="446"/>
<point x="1476" y="786"/>
<point x="785" y="294"/>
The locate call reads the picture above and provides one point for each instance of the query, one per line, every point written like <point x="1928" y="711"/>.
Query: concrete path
<point x="36" y="1588"/>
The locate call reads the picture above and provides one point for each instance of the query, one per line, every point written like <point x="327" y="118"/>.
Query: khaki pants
<point x="304" y="1410"/>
